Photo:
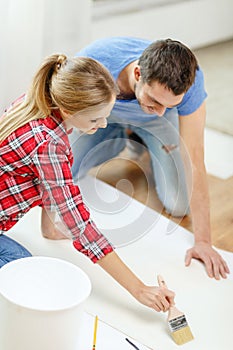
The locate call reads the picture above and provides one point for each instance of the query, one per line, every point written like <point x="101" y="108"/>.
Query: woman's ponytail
<point x="40" y="88"/>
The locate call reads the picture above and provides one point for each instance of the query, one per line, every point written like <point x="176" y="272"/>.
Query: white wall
<point x="31" y="30"/>
<point x="195" y="22"/>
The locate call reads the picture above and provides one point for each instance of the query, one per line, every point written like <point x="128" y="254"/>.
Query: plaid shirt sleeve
<point x="59" y="192"/>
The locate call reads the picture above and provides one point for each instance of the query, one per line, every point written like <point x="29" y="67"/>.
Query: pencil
<point x="180" y="330"/>
<point x="95" y="332"/>
<point x="131" y="343"/>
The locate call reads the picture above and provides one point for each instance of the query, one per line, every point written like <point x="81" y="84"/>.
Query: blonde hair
<point x="72" y="84"/>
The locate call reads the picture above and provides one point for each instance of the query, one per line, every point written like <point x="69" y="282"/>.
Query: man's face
<point x="155" y="98"/>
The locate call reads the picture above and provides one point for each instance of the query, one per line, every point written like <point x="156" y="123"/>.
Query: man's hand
<point x="215" y="265"/>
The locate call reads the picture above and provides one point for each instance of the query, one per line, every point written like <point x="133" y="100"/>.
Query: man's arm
<point x="192" y="150"/>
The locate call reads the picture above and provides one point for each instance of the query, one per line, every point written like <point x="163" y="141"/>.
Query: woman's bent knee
<point x="11" y="250"/>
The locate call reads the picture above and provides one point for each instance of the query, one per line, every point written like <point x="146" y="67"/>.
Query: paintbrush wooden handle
<point x="162" y="284"/>
<point x="173" y="312"/>
<point x="161" y="281"/>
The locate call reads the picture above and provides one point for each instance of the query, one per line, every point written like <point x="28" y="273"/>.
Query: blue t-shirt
<point x="115" y="53"/>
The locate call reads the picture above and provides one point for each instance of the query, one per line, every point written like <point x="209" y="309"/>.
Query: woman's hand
<point x="157" y="298"/>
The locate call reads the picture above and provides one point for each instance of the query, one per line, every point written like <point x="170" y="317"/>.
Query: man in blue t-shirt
<point x="162" y="100"/>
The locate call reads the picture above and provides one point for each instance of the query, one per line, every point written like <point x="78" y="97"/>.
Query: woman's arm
<point x="157" y="298"/>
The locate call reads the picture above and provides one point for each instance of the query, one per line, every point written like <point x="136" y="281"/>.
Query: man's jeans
<point x="11" y="250"/>
<point x="161" y="137"/>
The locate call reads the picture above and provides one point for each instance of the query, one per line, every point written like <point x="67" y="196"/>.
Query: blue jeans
<point x="11" y="250"/>
<point x="161" y="137"/>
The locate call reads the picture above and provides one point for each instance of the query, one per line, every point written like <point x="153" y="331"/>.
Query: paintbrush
<point x="178" y="325"/>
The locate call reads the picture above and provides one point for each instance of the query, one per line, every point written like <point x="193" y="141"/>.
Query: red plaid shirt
<point x="35" y="169"/>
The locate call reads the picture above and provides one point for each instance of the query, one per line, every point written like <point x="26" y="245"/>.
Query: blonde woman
<point x="36" y="160"/>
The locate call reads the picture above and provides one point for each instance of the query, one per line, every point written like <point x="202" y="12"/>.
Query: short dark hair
<point x="170" y="63"/>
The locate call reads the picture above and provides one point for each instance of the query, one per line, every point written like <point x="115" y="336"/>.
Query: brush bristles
<point x="182" y="336"/>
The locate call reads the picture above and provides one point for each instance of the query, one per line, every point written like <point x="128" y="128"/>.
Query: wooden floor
<point x="135" y="179"/>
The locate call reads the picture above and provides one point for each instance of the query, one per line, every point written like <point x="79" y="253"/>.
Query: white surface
<point x="206" y="303"/>
<point x="218" y="153"/>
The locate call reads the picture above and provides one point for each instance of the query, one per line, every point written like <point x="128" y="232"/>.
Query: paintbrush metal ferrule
<point x="177" y="323"/>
